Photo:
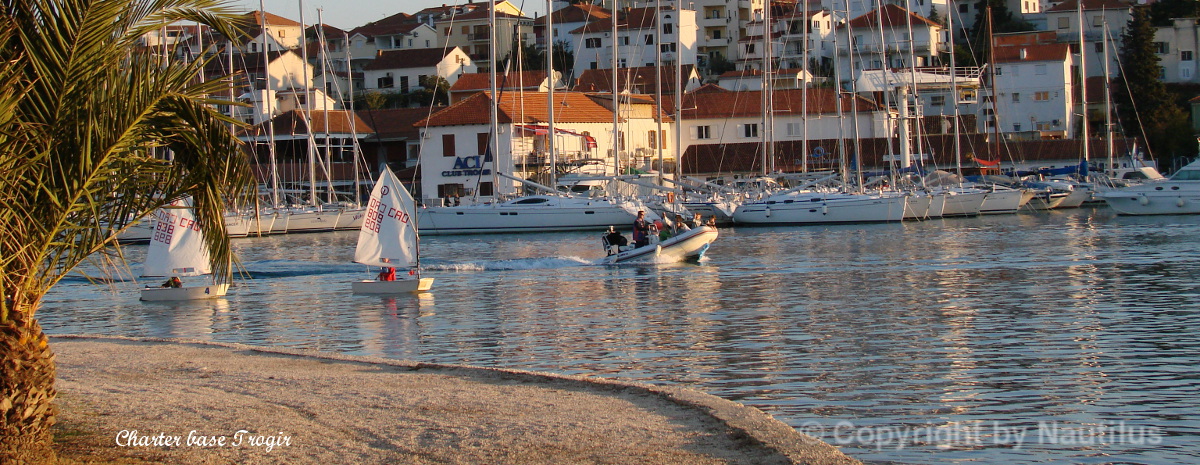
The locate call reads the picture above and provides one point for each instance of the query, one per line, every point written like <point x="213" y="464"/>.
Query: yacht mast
<point x="306" y="110"/>
<point x="658" y="113"/>
<point x="550" y="135"/>
<point x="950" y="12"/>
<point x="1082" y="90"/>
<point x="616" y="142"/>
<point x="1108" y="125"/>
<point x="494" y="118"/>
<point x="268" y="119"/>
<point x="768" y="96"/>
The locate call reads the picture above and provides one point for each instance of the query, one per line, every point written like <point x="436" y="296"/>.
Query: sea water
<point x="1062" y="337"/>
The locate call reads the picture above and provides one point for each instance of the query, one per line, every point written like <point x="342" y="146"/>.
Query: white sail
<point x="388" y="236"/>
<point x="176" y="243"/>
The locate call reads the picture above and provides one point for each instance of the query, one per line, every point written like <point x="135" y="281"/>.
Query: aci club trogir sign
<point x="469" y="166"/>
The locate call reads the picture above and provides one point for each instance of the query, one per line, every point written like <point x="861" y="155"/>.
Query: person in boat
<point x="173" y="282"/>
<point x="682" y="225"/>
<point x="697" y="220"/>
<point x="712" y="221"/>
<point x="387" y="274"/>
<point x="641" y="230"/>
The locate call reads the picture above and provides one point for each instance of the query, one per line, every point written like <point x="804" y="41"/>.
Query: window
<point x="962" y="7"/>
<point x="481" y="140"/>
<point x="384" y="82"/>
<point x="649" y="39"/>
<point x="937" y="100"/>
<point x="1041" y="96"/>
<point x="254" y="47"/>
<point x="716" y="34"/>
<point x="1016" y="127"/>
<point x="625" y="40"/>
<point x="1097" y="21"/>
<point x="1162" y="48"/>
<point x="446" y="191"/>
<point x="1064" y="23"/>
<point x="667" y="48"/>
<point x="750" y="130"/>
<point x="1099" y="47"/>
<point x="795" y="129"/>
<point x="404" y="84"/>
<point x="703" y="132"/>
<point x="652" y="140"/>
<point x="486" y="189"/>
<point x="1039" y="70"/>
<point x="749" y="48"/>
<point x="1185" y="72"/>
<point x="1185" y="55"/>
<point x="668" y="28"/>
<point x="591" y="42"/>
<point x="1016" y="97"/>
<point x="447" y="145"/>
<point x="999" y="70"/>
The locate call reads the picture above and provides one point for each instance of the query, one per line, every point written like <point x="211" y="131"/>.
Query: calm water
<point x="1063" y="337"/>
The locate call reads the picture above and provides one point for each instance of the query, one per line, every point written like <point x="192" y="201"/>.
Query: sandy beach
<point x="148" y="400"/>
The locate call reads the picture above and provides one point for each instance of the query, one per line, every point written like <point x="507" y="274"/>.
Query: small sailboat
<point x="388" y="239"/>
<point x="177" y="250"/>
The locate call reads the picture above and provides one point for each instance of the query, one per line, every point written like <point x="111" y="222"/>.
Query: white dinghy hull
<point x="688" y="245"/>
<point x="399" y="286"/>
<point x="166" y="294"/>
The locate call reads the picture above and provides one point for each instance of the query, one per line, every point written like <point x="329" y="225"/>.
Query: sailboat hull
<point x="688" y="245"/>
<point x="399" y="286"/>
<point x="165" y="294"/>
<point x="549" y="214"/>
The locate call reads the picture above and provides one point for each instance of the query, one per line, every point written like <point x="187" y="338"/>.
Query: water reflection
<point x="988" y="326"/>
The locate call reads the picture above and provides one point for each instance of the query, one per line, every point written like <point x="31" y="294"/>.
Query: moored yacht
<point x="1177" y="195"/>
<point x="808" y="207"/>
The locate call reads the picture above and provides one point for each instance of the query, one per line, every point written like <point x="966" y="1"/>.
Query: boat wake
<point x="507" y="265"/>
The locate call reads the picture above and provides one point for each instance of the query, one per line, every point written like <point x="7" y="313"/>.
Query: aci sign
<point x="469" y="166"/>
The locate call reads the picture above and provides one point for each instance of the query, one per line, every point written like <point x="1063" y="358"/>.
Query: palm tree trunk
<point x="26" y="392"/>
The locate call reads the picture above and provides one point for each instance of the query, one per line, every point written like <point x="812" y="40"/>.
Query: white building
<point x="1034" y="90"/>
<point x="1177" y="46"/>
<point x="402" y="70"/>
<point x="280" y="33"/>
<point x="1100" y="18"/>
<point x="636" y="40"/>
<point x="897" y="48"/>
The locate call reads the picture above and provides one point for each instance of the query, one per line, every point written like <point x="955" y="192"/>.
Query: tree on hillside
<point x="1144" y="107"/>
<point x="83" y="109"/>
<point x="1163" y="11"/>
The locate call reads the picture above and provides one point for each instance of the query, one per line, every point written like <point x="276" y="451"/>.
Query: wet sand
<point x="201" y="403"/>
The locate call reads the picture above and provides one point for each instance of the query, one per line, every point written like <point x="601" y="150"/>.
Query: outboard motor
<point x="613" y="241"/>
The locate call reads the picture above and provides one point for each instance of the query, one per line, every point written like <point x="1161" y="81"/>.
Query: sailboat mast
<point x="322" y="57"/>
<point x="885" y="73"/>
<point x="268" y="119"/>
<point x="678" y="97"/>
<point x="352" y="116"/>
<point x="494" y="119"/>
<point x="616" y="94"/>
<point x="995" y="104"/>
<point x="1082" y="84"/>
<point x="808" y="75"/>
<point x="550" y="135"/>
<point x="306" y="109"/>
<point x="658" y="113"/>
<point x="837" y="77"/>
<point x="1108" y="125"/>
<point x="950" y="12"/>
<point x="768" y="84"/>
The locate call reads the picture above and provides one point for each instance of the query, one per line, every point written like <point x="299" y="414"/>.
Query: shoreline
<point x="309" y="407"/>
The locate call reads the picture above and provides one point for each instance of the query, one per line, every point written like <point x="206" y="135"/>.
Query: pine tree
<point x="1144" y="107"/>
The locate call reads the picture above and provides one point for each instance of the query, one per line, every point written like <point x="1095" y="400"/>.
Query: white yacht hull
<point x="302" y="221"/>
<point x="688" y="245"/>
<point x="1180" y="201"/>
<point x="964" y="203"/>
<point x="399" y="286"/>
<point x="916" y="207"/>
<point x="723" y="213"/>
<point x="1001" y="201"/>
<point x="163" y="294"/>
<point x="818" y="210"/>
<point x="1046" y="200"/>
<point x="553" y="215"/>
<point x="351" y="218"/>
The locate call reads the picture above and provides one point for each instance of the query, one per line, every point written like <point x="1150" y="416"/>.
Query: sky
<point x="349" y="14"/>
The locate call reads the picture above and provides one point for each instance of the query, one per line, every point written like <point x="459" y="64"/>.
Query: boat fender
<point x="1142" y="199"/>
<point x="1179" y="203"/>
<point x="768" y="210"/>
<point x="824" y="209"/>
